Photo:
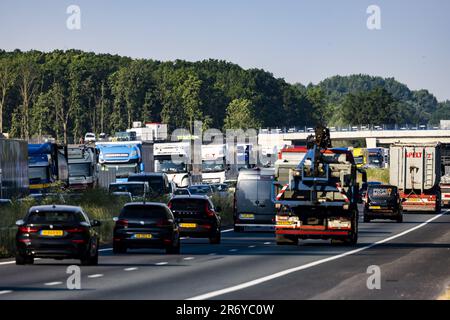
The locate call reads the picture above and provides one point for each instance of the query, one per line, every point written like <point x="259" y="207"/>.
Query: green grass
<point x="381" y="175"/>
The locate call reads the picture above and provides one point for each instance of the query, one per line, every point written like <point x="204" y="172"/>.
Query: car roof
<point x="200" y="185"/>
<point x="142" y="203"/>
<point x="381" y="186"/>
<point x="147" y="174"/>
<point x="197" y="197"/>
<point x="55" y="207"/>
<point x="127" y="182"/>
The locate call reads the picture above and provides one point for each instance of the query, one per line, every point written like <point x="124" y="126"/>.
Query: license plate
<point x="247" y="216"/>
<point x="143" y="236"/>
<point x="285" y="223"/>
<point x="375" y="207"/>
<point x="52" y="233"/>
<point x="188" y="225"/>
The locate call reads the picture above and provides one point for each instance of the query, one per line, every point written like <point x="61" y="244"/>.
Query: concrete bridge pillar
<point x="371" y="142"/>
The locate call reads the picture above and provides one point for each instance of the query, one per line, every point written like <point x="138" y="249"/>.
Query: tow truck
<point x="321" y="196"/>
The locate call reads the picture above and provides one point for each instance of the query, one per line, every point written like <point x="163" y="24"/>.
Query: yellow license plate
<point x="188" y="225"/>
<point x="285" y="223"/>
<point x="247" y="216"/>
<point x="375" y="207"/>
<point x="143" y="236"/>
<point x="52" y="233"/>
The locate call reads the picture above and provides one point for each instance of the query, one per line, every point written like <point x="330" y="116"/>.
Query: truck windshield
<point x="38" y="173"/>
<point x="168" y="166"/>
<point x="123" y="170"/>
<point x="79" y="170"/>
<point x="375" y="160"/>
<point x="213" y="165"/>
<point x="359" y="160"/>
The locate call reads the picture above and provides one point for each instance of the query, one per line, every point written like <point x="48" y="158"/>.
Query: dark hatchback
<point x="58" y="232"/>
<point x="146" y="225"/>
<point x="382" y="202"/>
<point x="197" y="217"/>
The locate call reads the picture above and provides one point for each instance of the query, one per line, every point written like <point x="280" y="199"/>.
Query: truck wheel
<point x="283" y="240"/>
<point x="353" y="237"/>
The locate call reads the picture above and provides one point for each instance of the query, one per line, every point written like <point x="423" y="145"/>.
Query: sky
<point x="298" y="40"/>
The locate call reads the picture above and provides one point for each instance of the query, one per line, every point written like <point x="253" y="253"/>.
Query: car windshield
<point x="220" y="187"/>
<point x="79" y="170"/>
<point x="359" y="160"/>
<point x="155" y="183"/>
<point x="38" y="173"/>
<point x="169" y="166"/>
<point x="199" y="190"/>
<point x="213" y="166"/>
<point x="143" y="212"/>
<point x="181" y="192"/>
<point x="54" y="217"/>
<point x="382" y="192"/>
<point x="136" y="189"/>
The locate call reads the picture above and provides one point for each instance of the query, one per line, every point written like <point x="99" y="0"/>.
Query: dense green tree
<point x="240" y="115"/>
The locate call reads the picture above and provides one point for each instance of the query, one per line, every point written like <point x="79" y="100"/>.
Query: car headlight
<point x="133" y="154"/>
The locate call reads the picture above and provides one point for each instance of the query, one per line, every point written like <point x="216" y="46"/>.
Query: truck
<point x="444" y="184"/>
<point x="361" y="157"/>
<point x="415" y="169"/>
<point x="122" y="156"/>
<point x="83" y="169"/>
<point x="172" y="158"/>
<point x="288" y="159"/>
<point x="214" y="166"/>
<point x="320" y="199"/>
<point x="47" y="166"/>
<point x="13" y="168"/>
<point x="375" y="157"/>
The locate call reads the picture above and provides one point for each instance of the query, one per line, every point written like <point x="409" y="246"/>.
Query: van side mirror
<point x="20" y="223"/>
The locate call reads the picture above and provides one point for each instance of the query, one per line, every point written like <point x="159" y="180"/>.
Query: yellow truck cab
<point x="360" y="156"/>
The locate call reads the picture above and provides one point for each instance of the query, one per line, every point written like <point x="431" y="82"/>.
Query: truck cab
<point x="213" y="163"/>
<point x="82" y="167"/>
<point x="171" y="158"/>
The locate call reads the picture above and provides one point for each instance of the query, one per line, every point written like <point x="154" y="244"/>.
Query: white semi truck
<point x="214" y="163"/>
<point x="172" y="159"/>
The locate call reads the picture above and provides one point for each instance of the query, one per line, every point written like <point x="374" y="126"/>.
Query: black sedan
<point x="146" y="225"/>
<point x="58" y="232"/>
<point x="197" y="217"/>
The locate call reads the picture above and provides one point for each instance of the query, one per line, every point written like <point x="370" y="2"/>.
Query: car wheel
<point x="23" y="259"/>
<point x="366" y="219"/>
<point x="286" y="240"/>
<point x="216" y="238"/>
<point x="88" y="259"/>
<point x="117" y="249"/>
<point x="400" y="219"/>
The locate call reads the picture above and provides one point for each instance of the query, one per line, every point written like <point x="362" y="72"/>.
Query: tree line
<point x="65" y="94"/>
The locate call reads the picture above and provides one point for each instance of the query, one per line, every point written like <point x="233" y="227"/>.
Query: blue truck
<point x="47" y="166"/>
<point x="123" y="157"/>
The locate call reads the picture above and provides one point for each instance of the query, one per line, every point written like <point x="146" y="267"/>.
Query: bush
<point x="225" y="202"/>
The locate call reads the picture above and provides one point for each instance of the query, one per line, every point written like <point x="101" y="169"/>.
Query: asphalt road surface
<point x="413" y="257"/>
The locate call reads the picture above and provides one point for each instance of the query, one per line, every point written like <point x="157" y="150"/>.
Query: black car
<point x="146" y="225"/>
<point x="365" y="185"/>
<point x="197" y="217"/>
<point x="58" y="232"/>
<point x="382" y="202"/>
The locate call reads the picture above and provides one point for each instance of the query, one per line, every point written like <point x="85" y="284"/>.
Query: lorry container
<point x="415" y="169"/>
<point x="13" y="168"/>
<point x="445" y="174"/>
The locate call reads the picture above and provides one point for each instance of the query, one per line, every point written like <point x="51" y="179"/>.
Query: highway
<point x="414" y="259"/>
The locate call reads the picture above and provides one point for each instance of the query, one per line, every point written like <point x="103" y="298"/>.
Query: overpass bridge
<point x="373" y="138"/>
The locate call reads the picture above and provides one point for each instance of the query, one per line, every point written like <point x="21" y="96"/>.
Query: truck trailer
<point x="415" y="169"/>
<point x="83" y="170"/>
<point x="13" y="168"/>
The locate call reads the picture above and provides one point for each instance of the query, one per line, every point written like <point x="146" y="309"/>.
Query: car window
<point x="143" y="212"/>
<point x="188" y="205"/>
<point x="54" y="217"/>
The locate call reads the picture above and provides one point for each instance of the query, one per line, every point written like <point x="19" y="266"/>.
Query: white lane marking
<point x="161" y="263"/>
<point x="189" y="258"/>
<point x="105" y="249"/>
<point x="266" y="242"/>
<point x="184" y="238"/>
<point x="279" y="274"/>
<point x="227" y="230"/>
<point x="5" y="292"/>
<point x="252" y="246"/>
<point x="98" y="275"/>
<point x="233" y="250"/>
<point x="130" y="269"/>
<point x="52" y="283"/>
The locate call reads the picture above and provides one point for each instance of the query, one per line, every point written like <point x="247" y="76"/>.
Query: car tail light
<point x="122" y="222"/>
<point x="78" y="241"/>
<point x="28" y="229"/>
<point x="163" y="223"/>
<point x="209" y="212"/>
<point x="169" y="205"/>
